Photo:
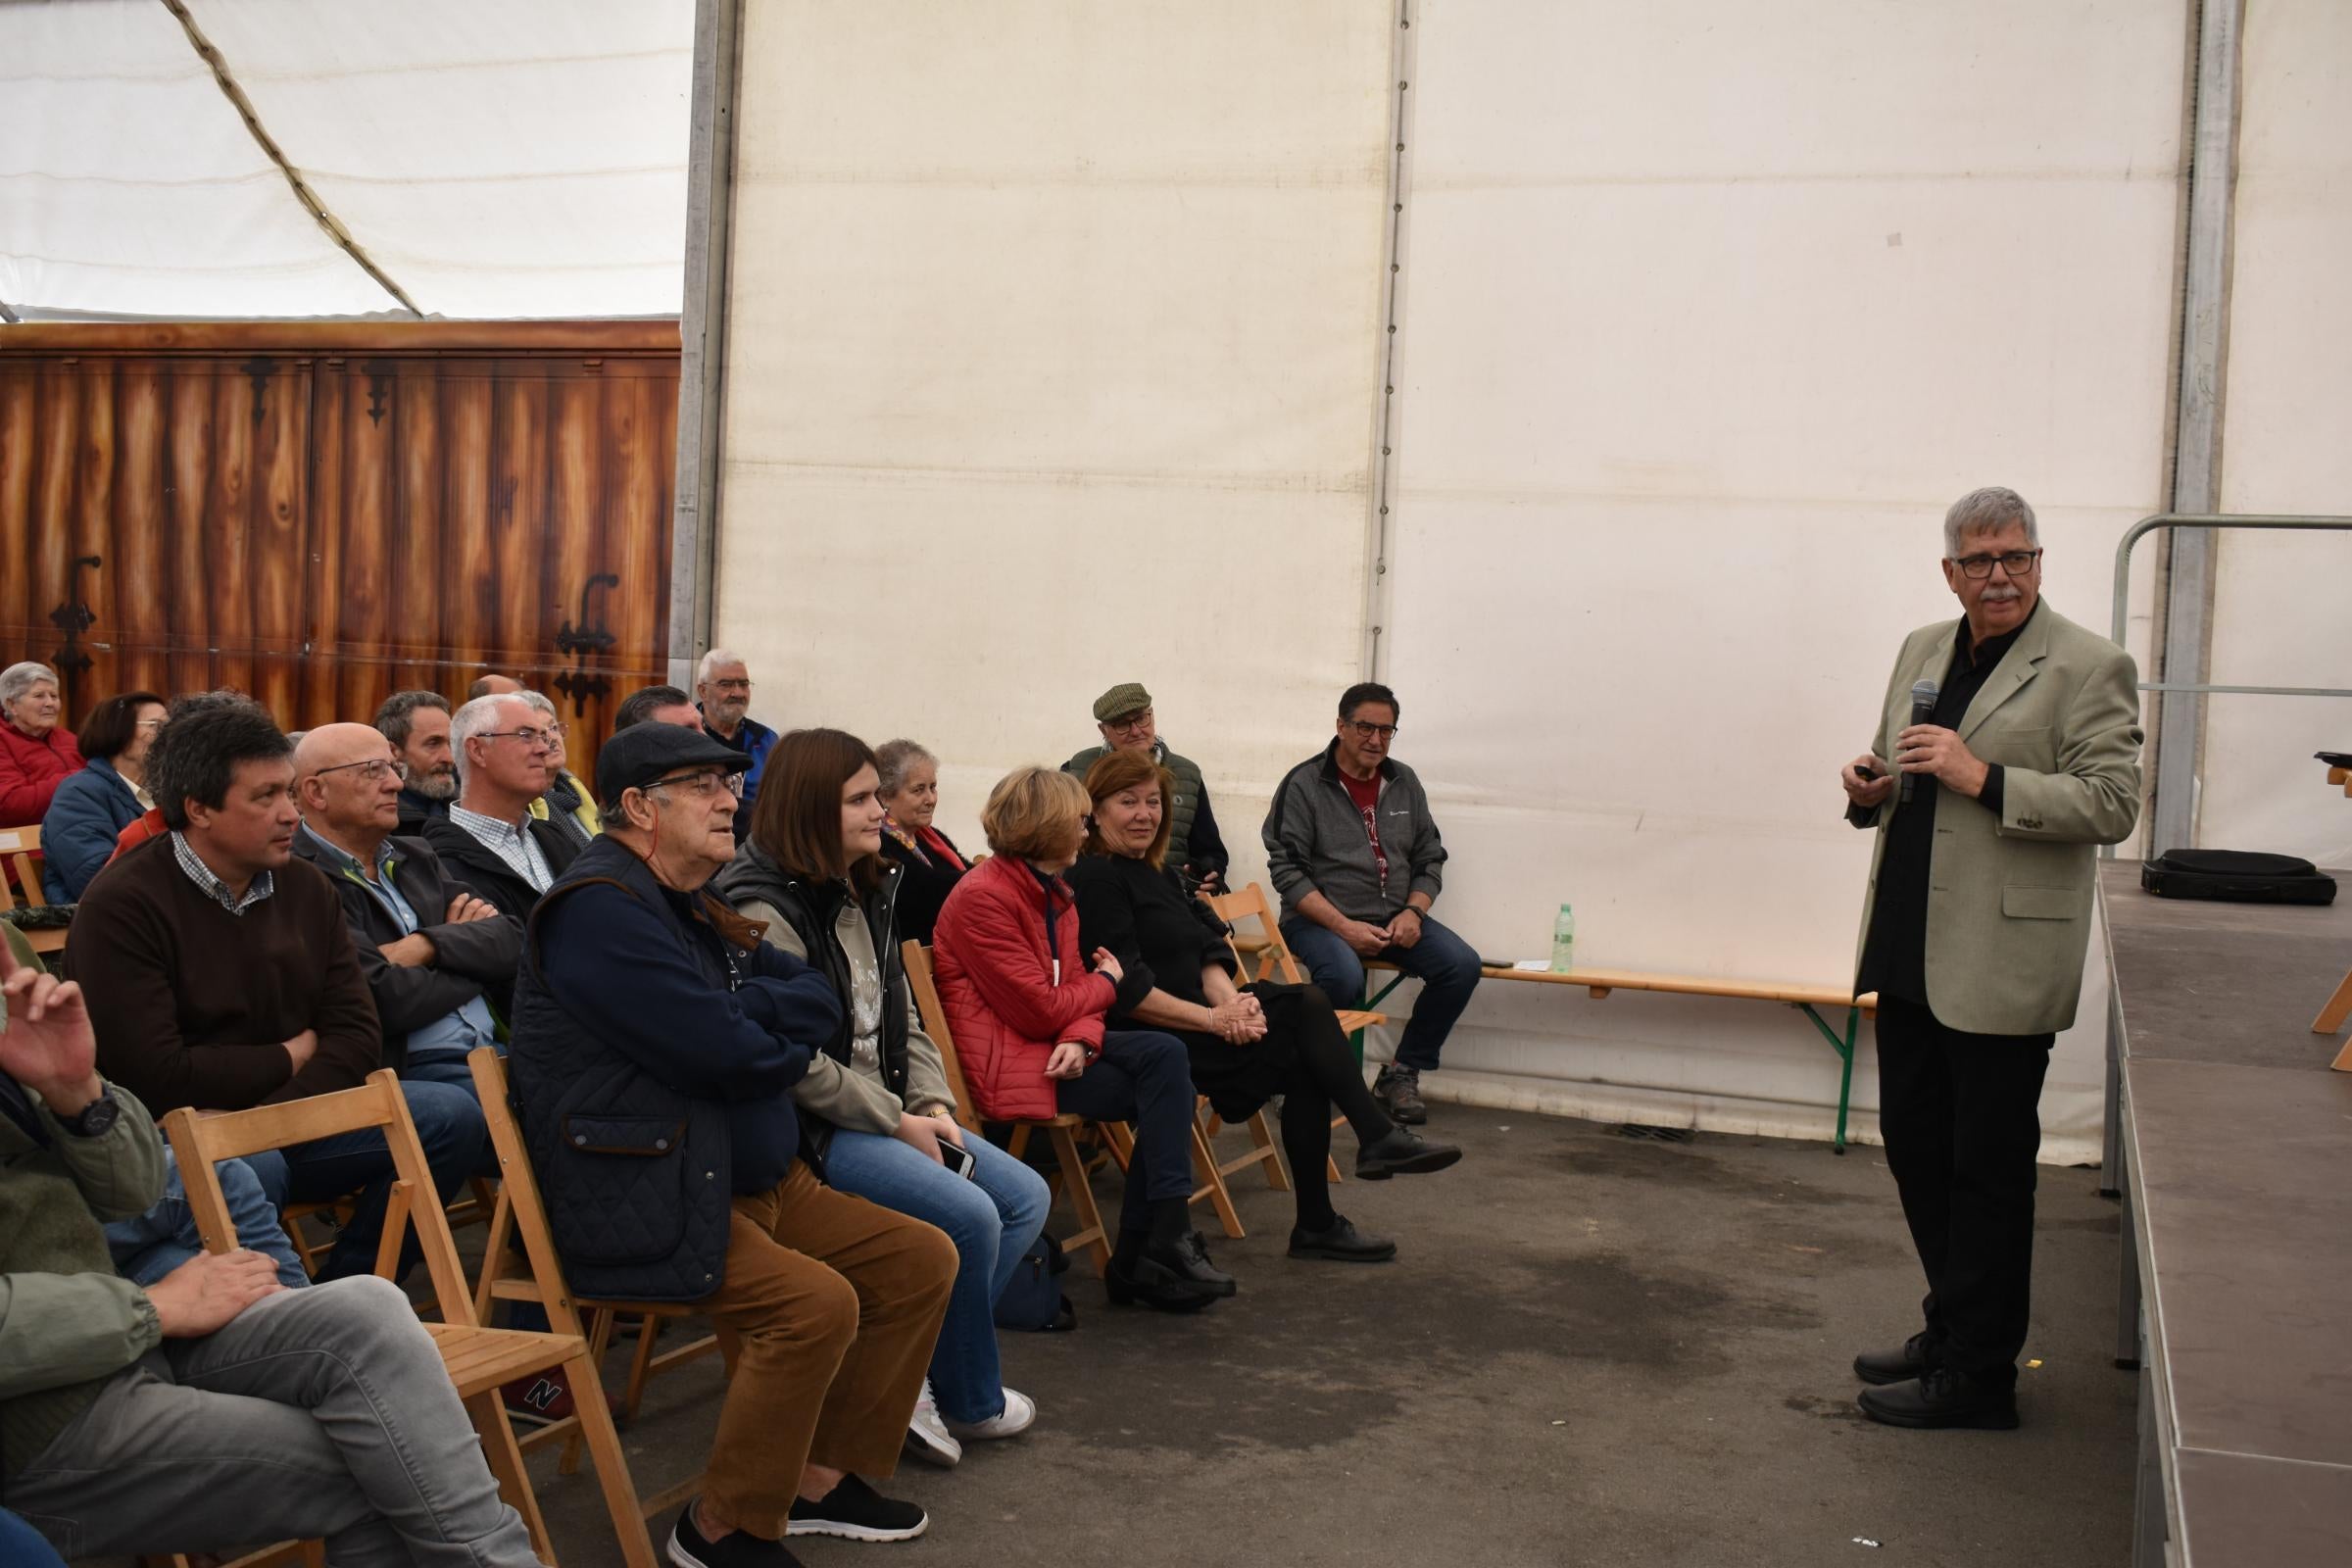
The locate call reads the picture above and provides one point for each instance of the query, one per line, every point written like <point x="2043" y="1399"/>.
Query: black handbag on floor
<point x="2236" y="877"/>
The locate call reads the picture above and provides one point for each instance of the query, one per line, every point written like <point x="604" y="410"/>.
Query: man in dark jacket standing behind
<point x="1358" y="862"/>
<point x="656" y="1043"/>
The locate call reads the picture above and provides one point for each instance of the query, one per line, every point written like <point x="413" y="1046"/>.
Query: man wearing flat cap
<point x="1195" y="848"/>
<point x="656" y="1043"/>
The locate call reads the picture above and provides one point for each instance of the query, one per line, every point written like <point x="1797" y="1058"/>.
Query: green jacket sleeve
<point x="57" y="1330"/>
<point x="2093" y="796"/>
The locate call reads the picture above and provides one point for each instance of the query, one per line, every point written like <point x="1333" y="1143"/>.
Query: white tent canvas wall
<point x="1595" y="374"/>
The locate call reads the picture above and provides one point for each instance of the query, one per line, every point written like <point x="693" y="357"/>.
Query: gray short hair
<point x="17" y="679"/>
<point x="477" y="717"/>
<point x="893" y="759"/>
<point x="538" y="700"/>
<point x="1986" y="511"/>
<point x="712" y="659"/>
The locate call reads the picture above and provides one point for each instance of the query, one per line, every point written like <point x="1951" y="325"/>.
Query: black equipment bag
<point x="2236" y="877"/>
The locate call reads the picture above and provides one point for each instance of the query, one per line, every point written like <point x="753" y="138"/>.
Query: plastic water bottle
<point x="1563" y="941"/>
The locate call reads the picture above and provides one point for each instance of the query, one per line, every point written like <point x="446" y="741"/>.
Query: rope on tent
<point x="301" y="187"/>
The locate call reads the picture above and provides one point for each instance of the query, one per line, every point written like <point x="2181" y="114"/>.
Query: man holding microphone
<point x="2014" y="737"/>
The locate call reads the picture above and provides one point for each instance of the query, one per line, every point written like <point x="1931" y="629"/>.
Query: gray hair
<point x="538" y="700"/>
<point x="1986" y="511"/>
<point x="17" y="679"/>
<point x="893" y="759"/>
<point x="477" y="717"/>
<point x="712" y="659"/>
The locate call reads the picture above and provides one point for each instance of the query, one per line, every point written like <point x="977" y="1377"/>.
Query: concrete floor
<point x="1593" y="1350"/>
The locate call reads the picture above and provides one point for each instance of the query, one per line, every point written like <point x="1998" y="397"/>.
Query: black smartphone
<point x="958" y="1160"/>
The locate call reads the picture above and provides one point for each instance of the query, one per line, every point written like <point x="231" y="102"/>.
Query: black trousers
<point x="1961" y="1117"/>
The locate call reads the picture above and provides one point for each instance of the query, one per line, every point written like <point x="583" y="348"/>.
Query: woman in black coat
<point x="1248" y="1044"/>
<point x="910" y="792"/>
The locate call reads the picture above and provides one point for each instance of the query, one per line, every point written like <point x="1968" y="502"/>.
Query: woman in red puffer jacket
<point x="37" y="752"/>
<point x="1026" y="1016"/>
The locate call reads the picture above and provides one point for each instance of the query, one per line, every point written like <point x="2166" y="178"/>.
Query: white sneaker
<point x="927" y="1436"/>
<point x="1018" y="1412"/>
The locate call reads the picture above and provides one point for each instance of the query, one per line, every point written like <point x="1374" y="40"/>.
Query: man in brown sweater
<point x="221" y="975"/>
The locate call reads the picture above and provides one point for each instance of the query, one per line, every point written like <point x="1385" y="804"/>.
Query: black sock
<point x="1171" y="1220"/>
<point x="1306" y="1143"/>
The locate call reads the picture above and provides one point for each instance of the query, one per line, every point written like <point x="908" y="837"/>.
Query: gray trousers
<point x="323" y="1412"/>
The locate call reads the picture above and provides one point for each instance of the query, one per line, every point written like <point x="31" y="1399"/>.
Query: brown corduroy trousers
<point x="826" y="1319"/>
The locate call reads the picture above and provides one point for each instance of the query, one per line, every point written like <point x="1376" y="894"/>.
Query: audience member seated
<point x="1026" y="1016"/>
<point x="438" y="959"/>
<point x="147" y="1247"/>
<point x="656" y="705"/>
<point x="93" y="807"/>
<point x="490" y="841"/>
<point x="928" y="860"/>
<point x="1248" y="1044"/>
<point x="37" y="752"/>
<point x="656" y="1041"/>
<point x="221" y="973"/>
<point x="131" y="1415"/>
<point x="565" y="803"/>
<point x="416" y="723"/>
<point x="880" y="1115"/>
<point x="1357" y="860"/>
<point x="1196" y="849"/>
<point x="722" y="692"/>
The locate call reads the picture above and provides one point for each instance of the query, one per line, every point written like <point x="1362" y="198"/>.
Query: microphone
<point x="1922" y="707"/>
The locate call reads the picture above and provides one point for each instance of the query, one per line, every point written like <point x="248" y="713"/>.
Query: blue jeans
<point x="992" y="1219"/>
<point x="149" y="1245"/>
<point x="22" y="1546"/>
<point x="1443" y="962"/>
<point x="456" y="1139"/>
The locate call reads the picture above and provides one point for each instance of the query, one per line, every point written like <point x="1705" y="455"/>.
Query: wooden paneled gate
<point x="325" y="513"/>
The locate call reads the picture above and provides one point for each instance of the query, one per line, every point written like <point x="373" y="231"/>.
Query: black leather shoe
<point x="1189" y="1262"/>
<point x="1403" y="1152"/>
<point x="1143" y="1283"/>
<point x="1399" y="1090"/>
<point x="1878" y="1368"/>
<point x="1944" y="1398"/>
<point x="1342" y="1242"/>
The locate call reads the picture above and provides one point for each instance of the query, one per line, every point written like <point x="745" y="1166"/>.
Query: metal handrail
<point x="2187" y="519"/>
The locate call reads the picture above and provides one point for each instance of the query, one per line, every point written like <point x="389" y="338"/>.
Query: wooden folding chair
<point x="1275" y="961"/>
<point x="1090" y="1238"/>
<point x="479" y="1361"/>
<point x="21" y="884"/>
<point x="518" y="1210"/>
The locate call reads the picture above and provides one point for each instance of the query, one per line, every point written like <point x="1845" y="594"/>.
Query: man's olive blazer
<point x="2009" y="896"/>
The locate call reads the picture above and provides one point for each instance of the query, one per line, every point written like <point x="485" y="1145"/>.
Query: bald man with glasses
<point x="505" y="755"/>
<point x="437" y="958"/>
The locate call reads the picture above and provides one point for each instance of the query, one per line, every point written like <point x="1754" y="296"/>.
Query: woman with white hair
<point x="37" y="752"/>
<point x="910" y="796"/>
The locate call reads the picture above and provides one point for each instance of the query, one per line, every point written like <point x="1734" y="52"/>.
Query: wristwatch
<point x="96" y="1117"/>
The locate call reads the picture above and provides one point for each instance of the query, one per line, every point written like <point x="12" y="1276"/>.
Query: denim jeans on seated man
<point x="1443" y="962"/>
<point x="455" y="1140"/>
<point x="22" y="1546"/>
<point x="153" y="1245"/>
<point x="992" y="1218"/>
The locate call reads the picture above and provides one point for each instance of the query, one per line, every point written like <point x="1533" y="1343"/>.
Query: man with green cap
<point x="1195" y="848"/>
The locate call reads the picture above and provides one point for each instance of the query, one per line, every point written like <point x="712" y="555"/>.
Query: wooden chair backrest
<point x="926" y="987"/>
<point x="1274" y="960"/>
<point x="20" y="867"/>
<point x="519" y="1207"/>
<point x="200" y="1140"/>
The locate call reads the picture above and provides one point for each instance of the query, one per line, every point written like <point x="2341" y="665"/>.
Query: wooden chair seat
<point x="21" y="861"/>
<point x="479" y="1361"/>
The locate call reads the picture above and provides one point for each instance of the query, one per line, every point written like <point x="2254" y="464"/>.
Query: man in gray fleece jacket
<point x="1358" y="862"/>
<point x="214" y="1408"/>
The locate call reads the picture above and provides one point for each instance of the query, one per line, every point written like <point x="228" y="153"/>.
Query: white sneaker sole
<point x="679" y="1555"/>
<point x="924" y="1446"/>
<point x="850" y="1532"/>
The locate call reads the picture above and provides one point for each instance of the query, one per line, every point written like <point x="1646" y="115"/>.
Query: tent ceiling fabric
<point x="521" y="159"/>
